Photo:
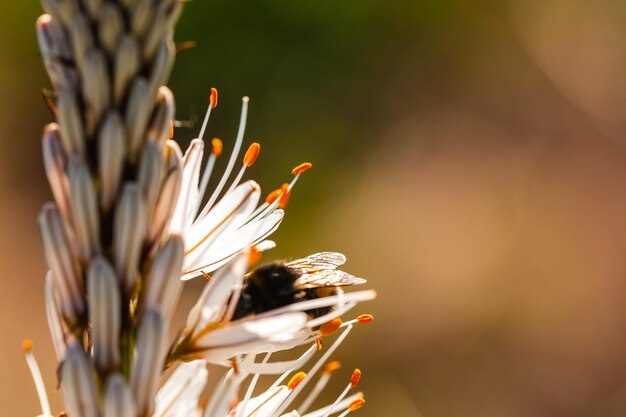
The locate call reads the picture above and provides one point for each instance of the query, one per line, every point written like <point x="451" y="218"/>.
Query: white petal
<point x="229" y="214"/>
<point x="265" y="404"/>
<point x="216" y="293"/>
<point x="279" y="367"/>
<point x="188" y="197"/>
<point x="339" y="407"/>
<point x="245" y="331"/>
<point x="180" y="394"/>
<point x="223" y="249"/>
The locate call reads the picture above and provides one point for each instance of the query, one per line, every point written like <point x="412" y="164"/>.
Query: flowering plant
<point x="130" y="222"/>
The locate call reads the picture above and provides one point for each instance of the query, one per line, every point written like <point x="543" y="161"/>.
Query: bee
<point x="279" y="284"/>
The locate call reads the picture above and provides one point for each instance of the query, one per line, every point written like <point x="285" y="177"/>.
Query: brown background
<point x="470" y="159"/>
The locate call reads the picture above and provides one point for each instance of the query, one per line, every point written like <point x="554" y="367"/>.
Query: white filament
<point x="315" y="392"/>
<point x="338" y="400"/>
<point x="312" y="372"/>
<point x="251" y="387"/>
<point x="233" y="157"/>
<point x="38" y="380"/>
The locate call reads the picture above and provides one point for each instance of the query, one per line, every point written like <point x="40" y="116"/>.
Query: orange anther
<point x="47" y="97"/>
<point x="170" y="133"/>
<point x="364" y="318"/>
<point x="330" y="327"/>
<point x="206" y="276"/>
<point x="356" y="404"/>
<point x="216" y="147"/>
<point x="271" y="197"/>
<point x="254" y="256"/>
<point x="235" y="365"/>
<point x="318" y="343"/>
<point x="295" y="380"/>
<point x="331" y="367"/>
<point x="213" y="98"/>
<point x="355" y="378"/>
<point x="301" y="168"/>
<point x="251" y="154"/>
<point x="184" y="45"/>
<point x="27" y="345"/>
<point x="284" y="196"/>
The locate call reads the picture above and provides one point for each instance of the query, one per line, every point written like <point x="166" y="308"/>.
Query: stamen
<point x="251" y="154"/>
<point x="265" y="402"/>
<point x="318" y="343"/>
<point x="216" y="147"/>
<point x="312" y="372"/>
<point x="296" y="380"/>
<point x="271" y="197"/>
<point x="248" y="160"/>
<point x="206" y="276"/>
<point x="284" y="196"/>
<point x="170" y="133"/>
<point x="253" y="383"/>
<point x="332" y="367"/>
<point x="276" y="198"/>
<point x="27" y="346"/>
<point x="233" y="157"/>
<point x="343" y="405"/>
<point x="362" y="319"/>
<point x="354" y="381"/>
<point x="254" y="255"/>
<point x="356" y="404"/>
<point x="184" y="45"/>
<point x="216" y="151"/>
<point x="365" y="318"/>
<point x="330" y="327"/>
<point x="213" y="98"/>
<point x="47" y="97"/>
<point x="329" y="369"/>
<point x="301" y="168"/>
<point x="356" y="377"/>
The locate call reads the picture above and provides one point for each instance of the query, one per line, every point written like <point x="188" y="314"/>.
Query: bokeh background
<point x="470" y="159"/>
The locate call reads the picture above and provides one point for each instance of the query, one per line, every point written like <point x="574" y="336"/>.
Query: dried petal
<point x="118" y="400"/>
<point x="79" y="383"/>
<point x="103" y="295"/>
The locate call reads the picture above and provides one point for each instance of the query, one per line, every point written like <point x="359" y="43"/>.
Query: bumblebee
<point x="279" y="284"/>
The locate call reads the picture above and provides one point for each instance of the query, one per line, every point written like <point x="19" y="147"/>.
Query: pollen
<point x="251" y="154"/>
<point x="213" y="97"/>
<point x="356" y="404"/>
<point x="295" y="380"/>
<point x="331" y="367"/>
<point x="301" y="168"/>
<point x="284" y="196"/>
<point x="216" y="147"/>
<point x="355" y="378"/>
<point x="271" y="197"/>
<point x="254" y="256"/>
<point x="170" y="133"/>
<point x="330" y="327"/>
<point x="184" y="45"/>
<point x="318" y="343"/>
<point x="365" y="318"/>
<point x="27" y="345"/>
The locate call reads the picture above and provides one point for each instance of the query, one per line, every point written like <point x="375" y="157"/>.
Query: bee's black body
<point x="273" y="286"/>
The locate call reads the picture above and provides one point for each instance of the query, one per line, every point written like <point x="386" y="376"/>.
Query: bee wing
<point x="317" y="262"/>
<point x="327" y="278"/>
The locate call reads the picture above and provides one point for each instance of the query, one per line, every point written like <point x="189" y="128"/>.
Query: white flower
<point x="228" y="224"/>
<point x="212" y="334"/>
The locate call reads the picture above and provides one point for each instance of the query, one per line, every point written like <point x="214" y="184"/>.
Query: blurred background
<point x="469" y="159"/>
